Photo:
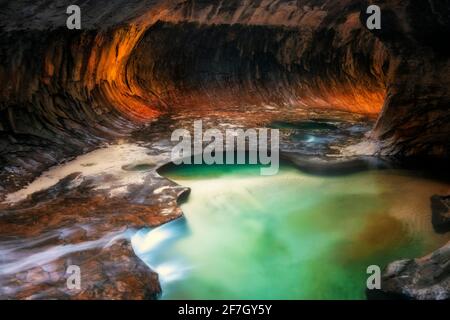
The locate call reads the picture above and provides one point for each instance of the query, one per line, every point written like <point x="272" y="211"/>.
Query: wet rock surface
<point x="88" y="216"/>
<point x="426" y="278"/>
<point x="243" y="64"/>
<point x="67" y="225"/>
<point x="84" y="212"/>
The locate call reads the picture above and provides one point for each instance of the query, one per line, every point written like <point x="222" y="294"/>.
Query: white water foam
<point x="19" y="259"/>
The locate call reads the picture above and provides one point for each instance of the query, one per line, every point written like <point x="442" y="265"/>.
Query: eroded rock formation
<point x="64" y="92"/>
<point x="415" y="118"/>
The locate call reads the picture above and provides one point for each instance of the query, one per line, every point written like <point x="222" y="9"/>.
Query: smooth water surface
<point x="288" y="236"/>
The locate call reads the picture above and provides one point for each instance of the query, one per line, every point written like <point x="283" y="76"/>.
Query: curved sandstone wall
<point x="415" y="117"/>
<point x="66" y="91"/>
<point x="196" y="65"/>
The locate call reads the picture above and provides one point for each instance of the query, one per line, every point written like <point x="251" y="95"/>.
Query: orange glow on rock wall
<point x="100" y="75"/>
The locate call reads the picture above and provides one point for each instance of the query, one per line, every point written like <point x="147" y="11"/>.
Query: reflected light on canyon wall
<point x="99" y="64"/>
<point x="141" y="69"/>
<point x="144" y="58"/>
<point x="163" y="59"/>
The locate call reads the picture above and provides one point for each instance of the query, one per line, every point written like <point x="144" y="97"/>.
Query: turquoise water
<point x="288" y="236"/>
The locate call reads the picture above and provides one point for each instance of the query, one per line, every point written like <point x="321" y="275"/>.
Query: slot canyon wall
<point x="66" y="91"/>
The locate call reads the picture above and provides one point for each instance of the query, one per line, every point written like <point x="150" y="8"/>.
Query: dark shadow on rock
<point x="440" y="213"/>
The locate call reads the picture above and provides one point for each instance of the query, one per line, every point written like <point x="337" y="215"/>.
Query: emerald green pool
<point x="288" y="236"/>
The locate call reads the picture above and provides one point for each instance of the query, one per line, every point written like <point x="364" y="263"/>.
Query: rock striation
<point x="67" y="91"/>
